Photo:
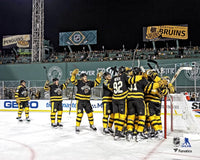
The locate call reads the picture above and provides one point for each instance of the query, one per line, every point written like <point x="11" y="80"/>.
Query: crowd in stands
<point x="9" y="93"/>
<point x="107" y="55"/>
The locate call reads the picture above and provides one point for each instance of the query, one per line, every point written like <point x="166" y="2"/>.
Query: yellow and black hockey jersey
<point x="22" y="93"/>
<point x="55" y="91"/>
<point x="107" y="91"/>
<point x="120" y="84"/>
<point x="136" y="90"/>
<point x="84" y="88"/>
<point x="154" y="93"/>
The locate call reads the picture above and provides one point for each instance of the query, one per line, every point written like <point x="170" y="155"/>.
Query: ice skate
<point x="77" y="129"/>
<point x="53" y="125"/>
<point x="19" y="119"/>
<point x="105" y="131"/>
<point x="118" y="135"/>
<point x="158" y="134"/>
<point x="129" y="136"/>
<point x="93" y="127"/>
<point x="140" y="136"/>
<point x="59" y="125"/>
<point x="28" y="119"/>
<point x="110" y="130"/>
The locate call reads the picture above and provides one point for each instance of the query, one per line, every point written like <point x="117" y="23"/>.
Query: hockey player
<point x="107" y="104"/>
<point x="119" y="84"/>
<point x="56" y="100"/>
<point x="82" y="96"/>
<point x="154" y="92"/>
<point x="22" y="98"/>
<point x="136" y="106"/>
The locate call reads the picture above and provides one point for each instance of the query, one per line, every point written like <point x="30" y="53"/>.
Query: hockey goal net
<point x="178" y="116"/>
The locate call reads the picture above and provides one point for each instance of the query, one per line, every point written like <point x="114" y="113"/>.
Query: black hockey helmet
<point x="55" y="79"/>
<point x="121" y="69"/>
<point x="105" y="74"/>
<point x="22" y="81"/>
<point x="83" y="75"/>
<point x="136" y="71"/>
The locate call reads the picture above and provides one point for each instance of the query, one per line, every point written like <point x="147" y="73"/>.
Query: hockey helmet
<point x="83" y="75"/>
<point x="136" y="71"/>
<point x="22" y="81"/>
<point x="55" y="79"/>
<point x="152" y="74"/>
<point x="121" y="69"/>
<point x="105" y="74"/>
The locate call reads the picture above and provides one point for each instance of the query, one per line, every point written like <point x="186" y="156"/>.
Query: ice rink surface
<point x="36" y="140"/>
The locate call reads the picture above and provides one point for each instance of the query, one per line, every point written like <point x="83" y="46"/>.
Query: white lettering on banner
<point x="168" y="70"/>
<point x="93" y="73"/>
<point x="89" y="73"/>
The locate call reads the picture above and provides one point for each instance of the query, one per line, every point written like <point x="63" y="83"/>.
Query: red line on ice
<point x="153" y="150"/>
<point x="24" y="145"/>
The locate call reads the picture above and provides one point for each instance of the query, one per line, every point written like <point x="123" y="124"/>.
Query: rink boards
<point x="45" y="106"/>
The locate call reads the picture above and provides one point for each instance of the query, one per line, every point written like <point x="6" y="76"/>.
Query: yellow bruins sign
<point x="166" y="32"/>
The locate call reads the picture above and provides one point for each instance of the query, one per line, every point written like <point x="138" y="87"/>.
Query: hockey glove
<point x="18" y="101"/>
<point x="67" y="81"/>
<point x="75" y="72"/>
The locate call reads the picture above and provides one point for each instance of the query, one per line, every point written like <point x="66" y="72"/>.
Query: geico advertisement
<point x="46" y="105"/>
<point x="96" y="105"/>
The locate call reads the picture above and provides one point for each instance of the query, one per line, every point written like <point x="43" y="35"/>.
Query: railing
<point x="7" y="90"/>
<point x="35" y="88"/>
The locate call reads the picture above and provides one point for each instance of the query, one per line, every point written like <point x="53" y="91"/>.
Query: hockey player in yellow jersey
<point x="136" y="106"/>
<point x="22" y="98"/>
<point x="107" y="105"/>
<point x="56" y="100"/>
<point x="120" y="84"/>
<point x="154" y="92"/>
<point x="82" y="96"/>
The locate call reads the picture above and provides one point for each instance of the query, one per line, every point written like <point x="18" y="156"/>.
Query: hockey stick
<point x="114" y="69"/>
<point x="138" y="63"/>
<point x="179" y="71"/>
<point x="134" y="53"/>
<point x="70" y="107"/>
<point x="149" y="65"/>
<point x="156" y="63"/>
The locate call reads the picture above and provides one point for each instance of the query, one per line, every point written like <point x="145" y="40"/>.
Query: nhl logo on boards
<point x="176" y="141"/>
<point x="194" y="73"/>
<point x="55" y="72"/>
<point x="182" y="147"/>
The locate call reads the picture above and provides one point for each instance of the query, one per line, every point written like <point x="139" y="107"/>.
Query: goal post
<point x="178" y="116"/>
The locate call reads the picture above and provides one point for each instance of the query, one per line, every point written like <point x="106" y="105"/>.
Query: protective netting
<point x="183" y="118"/>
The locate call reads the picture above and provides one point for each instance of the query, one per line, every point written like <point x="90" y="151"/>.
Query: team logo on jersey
<point x="55" y="72"/>
<point x="24" y="93"/>
<point x="86" y="88"/>
<point x="194" y="73"/>
<point x="58" y="91"/>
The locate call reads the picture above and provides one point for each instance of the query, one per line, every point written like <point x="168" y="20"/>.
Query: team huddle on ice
<point x="131" y="102"/>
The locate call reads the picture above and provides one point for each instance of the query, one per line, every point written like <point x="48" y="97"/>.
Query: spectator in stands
<point x="187" y="96"/>
<point x="10" y="95"/>
<point x="38" y="94"/>
<point x="193" y="97"/>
